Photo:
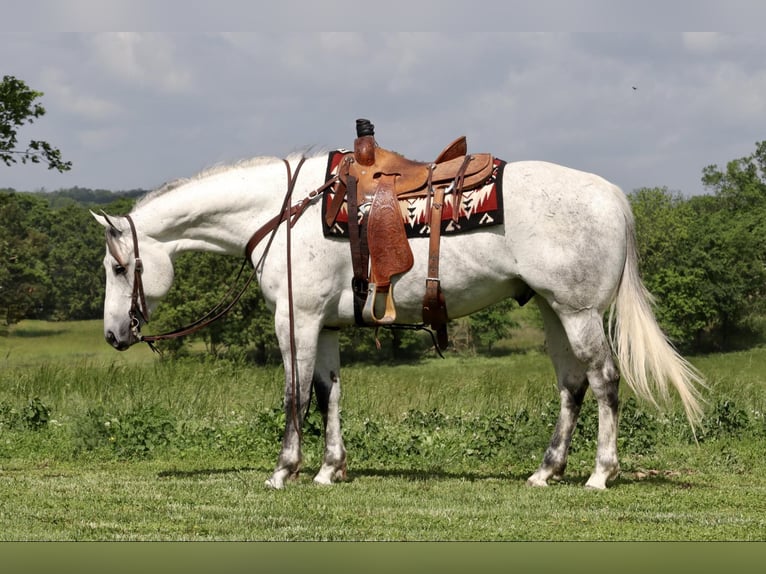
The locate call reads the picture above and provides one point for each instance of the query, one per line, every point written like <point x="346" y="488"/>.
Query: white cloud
<point x="138" y="109"/>
<point x="144" y="59"/>
<point x="100" y="139"/>
<point x="702" y="42"/>
<point x="74" y="98"/>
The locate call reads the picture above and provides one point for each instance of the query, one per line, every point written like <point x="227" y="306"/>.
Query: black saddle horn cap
<point x="364" y="128"/>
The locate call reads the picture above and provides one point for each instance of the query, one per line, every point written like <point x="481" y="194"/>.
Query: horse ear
<point x="113" y="233"/>
<point x="104" y="220"/>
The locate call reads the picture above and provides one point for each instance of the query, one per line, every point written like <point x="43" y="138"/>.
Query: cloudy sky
<point x="134" y="110"/>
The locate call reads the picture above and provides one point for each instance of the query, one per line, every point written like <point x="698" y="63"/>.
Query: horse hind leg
<point x="572" y="384"/>
<point x="586" y="342"/>
<point x="585" y="329"/>
<point x="327" y="389"/>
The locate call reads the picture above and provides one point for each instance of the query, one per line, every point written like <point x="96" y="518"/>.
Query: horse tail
<point x="648" y="361"/>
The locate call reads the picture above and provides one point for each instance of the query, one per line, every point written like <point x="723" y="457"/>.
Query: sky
<point x="133" y="110"/>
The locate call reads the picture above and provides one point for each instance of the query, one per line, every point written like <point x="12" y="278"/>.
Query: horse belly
<point x="476" y="269"/>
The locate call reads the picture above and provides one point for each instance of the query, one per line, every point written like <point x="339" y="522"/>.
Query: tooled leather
<point x="390" y="252"/>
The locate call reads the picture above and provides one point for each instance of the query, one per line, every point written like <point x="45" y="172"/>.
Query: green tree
<point x="492" y="324"/>
<point x="673" y="263"/>
<point x="74" y="265"/>
<point x="24" y="280"/>
<point x="741" y="222"/>
<point x="742" y="186"/>
<point x="17" y="107"/>
<point x="201" y="283"/>
<point x="703" y="257"/>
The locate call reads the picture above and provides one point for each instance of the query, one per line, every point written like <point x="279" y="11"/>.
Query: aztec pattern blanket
<point x="481" y="207"/>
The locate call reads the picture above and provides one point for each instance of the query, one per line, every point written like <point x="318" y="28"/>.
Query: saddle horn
<point x="364" y="144"/>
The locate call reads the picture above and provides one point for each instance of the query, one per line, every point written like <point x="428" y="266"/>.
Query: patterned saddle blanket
<point x="476" y="208"/>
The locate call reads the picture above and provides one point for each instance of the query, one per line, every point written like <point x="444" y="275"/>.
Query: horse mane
<point x="220" y="168"/>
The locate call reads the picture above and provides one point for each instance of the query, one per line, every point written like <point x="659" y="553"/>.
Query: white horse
<point x="567" y="235"/>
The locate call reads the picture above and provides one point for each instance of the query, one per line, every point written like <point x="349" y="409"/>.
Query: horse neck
<point x="219" y="212"/>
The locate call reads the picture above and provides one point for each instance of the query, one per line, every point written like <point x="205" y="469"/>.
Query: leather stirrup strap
<point x="434" y="304"/>
<point x="457" y="188"/>
<point x="359" y="251"/>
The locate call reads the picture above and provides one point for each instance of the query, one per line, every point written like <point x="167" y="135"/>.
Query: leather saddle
<point x="412" y="178"/>
<point x="372" y="181"/>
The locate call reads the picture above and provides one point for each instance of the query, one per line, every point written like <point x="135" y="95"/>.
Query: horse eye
<point x="119" y="269"/>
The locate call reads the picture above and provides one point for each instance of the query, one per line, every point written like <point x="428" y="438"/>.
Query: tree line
<point x="702" y="257"/>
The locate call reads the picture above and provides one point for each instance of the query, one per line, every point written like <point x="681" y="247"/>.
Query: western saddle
<point x="373" y="180"/>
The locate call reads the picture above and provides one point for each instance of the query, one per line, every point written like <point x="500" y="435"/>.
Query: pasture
<point x="97" y="445"/>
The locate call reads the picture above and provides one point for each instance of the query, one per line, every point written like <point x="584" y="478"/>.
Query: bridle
<point x="139" y="311"/>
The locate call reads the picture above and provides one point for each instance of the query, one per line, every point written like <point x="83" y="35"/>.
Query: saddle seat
<point x="412" y="177"/>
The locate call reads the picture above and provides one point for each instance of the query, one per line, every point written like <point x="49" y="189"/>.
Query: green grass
<point x="31" y="343"/>
<point x="100" y="445"/>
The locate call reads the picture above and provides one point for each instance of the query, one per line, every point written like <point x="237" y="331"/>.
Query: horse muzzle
<point x="120" y="343"/>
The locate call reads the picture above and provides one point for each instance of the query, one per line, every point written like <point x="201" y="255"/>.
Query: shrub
<point x="135" y="434"/>
<point x="35" y="415"/>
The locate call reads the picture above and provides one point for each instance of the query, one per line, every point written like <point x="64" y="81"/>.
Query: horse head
<point x="139" y="273"/>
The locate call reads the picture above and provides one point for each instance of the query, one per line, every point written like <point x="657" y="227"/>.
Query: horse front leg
<point x="299" y="358"/>
<point x="327" y="389"/>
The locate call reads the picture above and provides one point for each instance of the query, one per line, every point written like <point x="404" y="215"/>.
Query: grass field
<point x="33" y="343"/>
<point x="100" y="445"/>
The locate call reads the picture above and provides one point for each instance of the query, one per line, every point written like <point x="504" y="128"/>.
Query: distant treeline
<point x="703" y="258"/>
<point x="83" y="196"/>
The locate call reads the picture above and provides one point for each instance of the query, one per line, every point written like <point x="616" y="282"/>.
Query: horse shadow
<point x="209" y="472"/>
<point x="671" y="481"/>
<point x="578" y="480"/>
<point x="409" y="474"/>
<point x="422" y="475"/>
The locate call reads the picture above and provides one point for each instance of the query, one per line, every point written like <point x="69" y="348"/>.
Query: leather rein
<point x="139" y="311"/>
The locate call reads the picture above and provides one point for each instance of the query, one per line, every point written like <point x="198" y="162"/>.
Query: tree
<point x="703" y="257"/>
<point x="492" y="323"/>
<point x="74" y="265"/>
<point x="674" y="267"/>
<point x="24" y="281"/>
<point x="17" y="107"/>
<point x="741" y="192"/>
<point x="201" y="281"/>
<point x="742" y="186"/>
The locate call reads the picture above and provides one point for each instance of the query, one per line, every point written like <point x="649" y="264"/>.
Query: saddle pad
<point x="481" y="207"/>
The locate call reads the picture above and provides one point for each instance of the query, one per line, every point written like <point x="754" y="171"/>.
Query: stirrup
<point x="368" y="313"/>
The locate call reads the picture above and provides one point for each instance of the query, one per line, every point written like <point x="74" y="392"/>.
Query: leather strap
<point x="360" y="253"/>
<point x="292" y="214"/>
<point x="457" y="188"/>
<point x="390" y="252"/>
<point x="138" y="298"/>
<point x="337" y="201"/>
<point x="434" y="304"/>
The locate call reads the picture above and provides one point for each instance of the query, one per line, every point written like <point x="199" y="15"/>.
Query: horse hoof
<point x="274" y="484"/>
<point x="330" y="475"/>
<point x="595" y="484"/>
<point x="536" y="481"/>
